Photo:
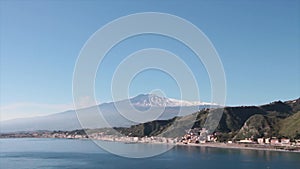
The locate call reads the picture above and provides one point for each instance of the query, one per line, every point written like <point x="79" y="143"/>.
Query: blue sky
<point x="258" y="43"/>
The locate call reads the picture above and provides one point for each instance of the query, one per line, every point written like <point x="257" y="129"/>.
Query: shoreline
<point x="210" y="145"/>
<point x="236" y="146"/>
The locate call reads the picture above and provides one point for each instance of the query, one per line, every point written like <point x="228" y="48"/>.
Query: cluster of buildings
<point x="68" y="135"/>
<point x="197" y="135"/>
<point x="127" y="139"/>
<point x="105" y="137"/>
<point x="271" y="141"/>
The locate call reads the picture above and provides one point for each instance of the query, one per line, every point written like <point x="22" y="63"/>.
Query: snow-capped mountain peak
<point x="154" y="100"/>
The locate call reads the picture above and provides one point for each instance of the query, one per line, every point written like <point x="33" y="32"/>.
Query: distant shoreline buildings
<point x="198" y="136"/>
<point x="194" y="137"/>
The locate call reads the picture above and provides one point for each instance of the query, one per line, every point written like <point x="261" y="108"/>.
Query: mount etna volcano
<point x="166" y="107"/>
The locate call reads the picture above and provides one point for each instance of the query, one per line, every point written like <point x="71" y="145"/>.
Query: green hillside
<point x="276" y="119"/>
<point x="290" y="127"/>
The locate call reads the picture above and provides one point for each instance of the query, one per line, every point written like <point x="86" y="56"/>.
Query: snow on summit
<point x="154" y="100"/>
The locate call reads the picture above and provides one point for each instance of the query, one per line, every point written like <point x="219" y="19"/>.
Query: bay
<point x="40" y="153"/>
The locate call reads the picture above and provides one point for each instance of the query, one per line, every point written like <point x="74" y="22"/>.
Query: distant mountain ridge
<point x="68" y="120"/>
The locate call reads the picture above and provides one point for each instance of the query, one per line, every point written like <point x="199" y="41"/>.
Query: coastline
<point x="210" y="145"/>
<point x="236" y="146"/>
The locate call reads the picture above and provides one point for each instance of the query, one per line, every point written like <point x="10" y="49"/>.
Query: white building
<point x="274" y="141"/>
<point x="260" y="141"/>
<point x="285" y="141"/>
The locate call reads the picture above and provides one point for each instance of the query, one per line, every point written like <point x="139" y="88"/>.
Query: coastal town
<point x="193" y="137"/>
<point x="202" y="136"/>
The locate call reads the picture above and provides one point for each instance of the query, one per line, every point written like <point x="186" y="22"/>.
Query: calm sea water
<point x="84" y="154"/>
